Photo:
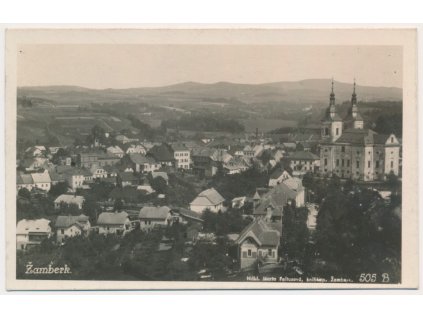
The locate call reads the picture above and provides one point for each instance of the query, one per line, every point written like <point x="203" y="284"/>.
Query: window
<point x="358" y="164"/>
<point x="337" y="162"/>
<point x="342" y="162"/>
<point x="343" y="148"/>
<point x="326" y="131"/>
<point x="337" y="131"/>
<point x="249" y="253"/>
<point x="348" y="163"/>
<point x="377" y="164"/>
<point x="62" y="231"/>
<point x="368" y="164"/>
<point x="392" y="164"/>
<point x="392" y="139"/>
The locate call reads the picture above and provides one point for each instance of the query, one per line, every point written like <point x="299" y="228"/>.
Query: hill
<point x="311" y="91"/>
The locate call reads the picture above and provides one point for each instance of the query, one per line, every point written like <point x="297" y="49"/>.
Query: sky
<point x="103" y="66"/>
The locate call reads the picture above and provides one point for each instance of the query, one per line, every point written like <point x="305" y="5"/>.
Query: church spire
<point x="354" y="96"/>
<point x="332" y="96"/>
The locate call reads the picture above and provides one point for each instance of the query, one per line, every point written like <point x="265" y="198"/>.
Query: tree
<point x="24" y="193"/>
<point x="358" y="232"/>
<point x="159" y="184"/>
<point x="58" y="189"/>
<point x="294" y="231"/>
<point x="118" y="205"/>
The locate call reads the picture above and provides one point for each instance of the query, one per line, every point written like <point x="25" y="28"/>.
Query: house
<point x="270" y="205"/>
<point x="296" y="185"/>
<point x="75" y="178"/>
<point x="143" y="163"/>
<point x="151" y="217"/>
<point x="163" y="154"/>
<point x="252" y="151"/>
<point x="115" y="151"/>
<point x="204" y="162"/>
<point x="69" y="199"/>
<point x="136" y="149"/>
<point x="209" y="199"/>
<point x="96" y="158"/>
<point x="113" y="223"/>
<point x="239" y="202"/>
<point x="124" y="140"/>
<point x="182" y="156"/>
<point x="34" y="164"/>
<point x="70" y="226"/>
<point x="146" y="188"/>
<point x="258" y="243"/>
<point x="278" y="177"/>
<point x="36" y="151"/>
<point x="24" y="181"/>
<point x="235" y="165"/>
<point x="127" y="179"/>
<point x="42" y="180"/>
<point x="302" y="162"/>
<point x="98" y="172"/>
<point x="30" y="233"/>
<point x="161" y="174"/>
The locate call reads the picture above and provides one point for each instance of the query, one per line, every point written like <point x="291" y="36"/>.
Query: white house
<point x="136" y="149"/>
<point x="69" y="199"/>
<point x="115" y="151"/>
<point x="258" y="243"/>
<point x="182" y="156"/>
<point x="277" y="177"/>
<point x="36" y="151"/>
<point x="113" y="223"/>
<point x="208" y="199"/>
<point x="42" y="180"/>
<point x="151" y="217"/>
<point x="98" y="172"/>
<point x="31" y="232"/>
<point x="75" y="179"/>
<point x="69" y="226"/>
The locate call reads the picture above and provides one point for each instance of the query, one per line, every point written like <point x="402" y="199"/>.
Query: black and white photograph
<point x="211" y="162"/>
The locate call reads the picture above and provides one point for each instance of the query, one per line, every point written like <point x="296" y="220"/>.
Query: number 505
<point x="367" y="278"/>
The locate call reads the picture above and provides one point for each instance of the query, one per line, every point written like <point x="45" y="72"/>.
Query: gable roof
<point x="70" y="199"/>
<point x="24" y="179"/>
<point x="65" y="221"/>
<point x="262" y="232"/>
<point x="295" y="184"/>
<point x="112" y="218"/>
<point x="43" y="177"/>
<point x="152" y="212"/>
<point x="208" y="197"/>
<point x="276" y="198"/>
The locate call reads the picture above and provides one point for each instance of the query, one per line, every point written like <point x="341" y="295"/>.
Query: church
<point x="350" y="151"/>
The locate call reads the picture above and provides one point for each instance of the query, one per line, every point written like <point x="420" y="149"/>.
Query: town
<point x="124" y="204"/>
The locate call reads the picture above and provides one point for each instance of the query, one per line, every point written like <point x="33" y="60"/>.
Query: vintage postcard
<point x="211" y="158"/>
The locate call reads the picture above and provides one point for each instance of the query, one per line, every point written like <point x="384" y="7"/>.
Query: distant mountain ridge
<point x="309" y="91"/>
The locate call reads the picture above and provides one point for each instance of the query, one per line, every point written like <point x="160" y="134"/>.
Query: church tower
<point x="354" y="118"/>
<point x="332" y="122"/>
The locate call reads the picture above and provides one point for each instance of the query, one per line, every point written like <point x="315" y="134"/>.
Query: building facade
<point x="349" y="150"/>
